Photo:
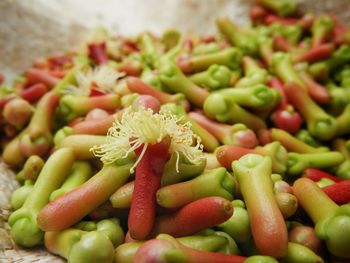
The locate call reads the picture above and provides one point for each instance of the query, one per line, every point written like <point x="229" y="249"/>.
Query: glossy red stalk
<point x="271" y="19"/>
<point x="31" y="94"/>
<point x="285" y="117"/>
<point x="94" y="127"/>
<point x="229" y="153"/>
<point x="137" y="86"/>
<point x="34" y="76"/>
<point x="320" y="52"/>
<point x="97" y="52"/>
<point x="317" y="174"/>
<point x="147" y="181"/>
<point x="258" y="13"/>
<point x="316" y="91"/>
<point x="281" y="44"/>
<point x="71" y="207"/>
<point x="194" y="217"/>
<point x="339" y="192"/>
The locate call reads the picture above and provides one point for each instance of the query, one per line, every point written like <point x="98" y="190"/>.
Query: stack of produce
<point x="181" y="148"/>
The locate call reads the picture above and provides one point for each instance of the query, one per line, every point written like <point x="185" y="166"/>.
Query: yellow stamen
<point x="104" y="79"/>
<point x="142" y="127"/>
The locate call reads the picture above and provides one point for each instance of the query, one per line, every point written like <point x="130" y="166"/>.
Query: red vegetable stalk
<point x="316" y="91"/>
<point x="282" y="44"/>
<point x="272" y="18"/>
<point x="285" y="117"/>
<point x="194" y="217"/>
<point x="71" y="207"/>
<point x="320" y="52"/>
<point x="94" y="127"/>
<point x="34" y="76"/>
<point x="258" y="13"/>
<point x="304" y="22"/>
<point x="226" y="154"/>
<point x="34" y="92"/>
<point x="97" y="52"/>
<point x="31" y="94"/>
<point x="166" y="249"/>
<point x="137" y="86"/>
<point x="340" y="33"/>
<point x="339" y="192"/>
<point x="316" y="175"/>
<point x="147" y="182"/>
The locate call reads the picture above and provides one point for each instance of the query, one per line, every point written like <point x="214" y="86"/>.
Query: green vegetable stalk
<point x="24" y="228"/>
<point x="319" y="123"/>
<point x="230" y="57"/>
<point x="79" y="246"/>
<point x="71" y="207"/>
<point x="215" y="77"/>
<point x="242" y="39"/>
<point x="223" y="109"/>
<point x="332" y="222"/>
<point x="269" y="230"/>
<point x="298" y="162"/>
<point x="292" y="143"/>
<point x="343" y="170"/>
<point x="216" y="182"/>
<point x="299" y="254"/>
<point x="281" y="65"/>
<point x="256" y="97"/>
<point x="237" y="226"/>
<point x="72" y="106"/>
<point x="31" y="169"/>
<point x="81" y="144"/>
<point x="281" y="7"/>
<point x="80" y="173"/>
<point x="171" y="175"/>
<point x="186" y="170"/>
<point x="37" y="137"/>
<point x="176" y="81"/>
<point x="321" y="29"/>
<point x="20" y="195"/>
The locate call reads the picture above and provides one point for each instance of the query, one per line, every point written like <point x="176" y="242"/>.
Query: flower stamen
<point x="142" y="127"/>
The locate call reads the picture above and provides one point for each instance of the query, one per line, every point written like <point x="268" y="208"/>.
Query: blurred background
<point x="33" y="28"/>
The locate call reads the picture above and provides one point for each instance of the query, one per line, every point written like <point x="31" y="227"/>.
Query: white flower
<point x="103" y="78"/>
<point x="142" y="127"/>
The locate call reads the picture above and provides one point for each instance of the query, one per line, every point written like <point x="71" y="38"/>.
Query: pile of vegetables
<point x="231" y="147"/>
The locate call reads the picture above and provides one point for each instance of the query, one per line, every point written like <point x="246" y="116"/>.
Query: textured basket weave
<point x="22" y="40"/>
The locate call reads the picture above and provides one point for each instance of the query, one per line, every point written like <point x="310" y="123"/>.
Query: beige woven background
<point x="34" y="28"/>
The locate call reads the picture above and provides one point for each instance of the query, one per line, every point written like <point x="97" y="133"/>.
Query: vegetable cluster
<point x="231" y="147"/>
